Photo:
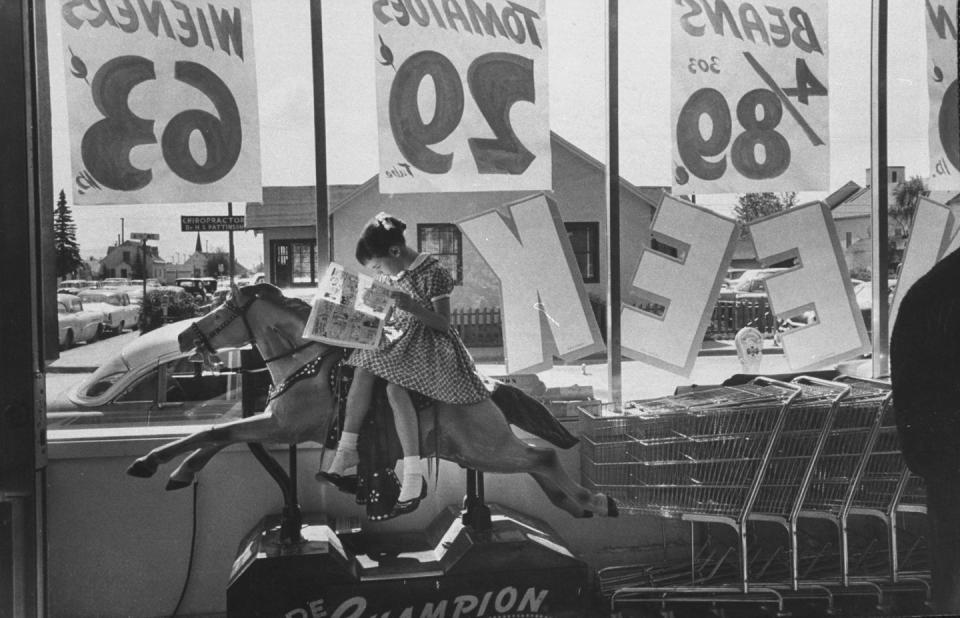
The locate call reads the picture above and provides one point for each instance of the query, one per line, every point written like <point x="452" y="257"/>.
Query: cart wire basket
<point x="757" y="458"/>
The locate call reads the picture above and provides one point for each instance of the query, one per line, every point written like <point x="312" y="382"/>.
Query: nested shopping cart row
<point x="764" y="454"/>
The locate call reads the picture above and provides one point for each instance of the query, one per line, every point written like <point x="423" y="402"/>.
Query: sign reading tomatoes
<point x="162" y="101"/>
<point x="750" y="104"/>
<point x="462" y="95"/>
<point x="942" y="88"/>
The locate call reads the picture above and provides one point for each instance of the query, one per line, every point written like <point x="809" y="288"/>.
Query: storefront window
<point x="444" y="241"/>
<point x="584" y="238"/>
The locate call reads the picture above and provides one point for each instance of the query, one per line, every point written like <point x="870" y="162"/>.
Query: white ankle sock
<point x="412" y="475"/>
<point x="346" y="456"/>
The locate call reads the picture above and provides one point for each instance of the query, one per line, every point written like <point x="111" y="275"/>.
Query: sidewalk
<point x="640" y="380"/>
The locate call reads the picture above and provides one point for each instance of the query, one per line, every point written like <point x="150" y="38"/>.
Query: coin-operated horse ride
<point x="467" y="562"/>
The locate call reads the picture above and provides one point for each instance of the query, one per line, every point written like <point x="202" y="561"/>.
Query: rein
<point x="309" y="370"/>
<point x="240" y="312"/>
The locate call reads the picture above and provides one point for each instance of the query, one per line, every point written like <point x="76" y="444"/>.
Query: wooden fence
<point x="479" y="328"/>
<point x="482" y="328"/>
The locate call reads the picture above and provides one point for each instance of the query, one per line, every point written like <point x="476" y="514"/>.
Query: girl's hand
<point x="403" y="300"/>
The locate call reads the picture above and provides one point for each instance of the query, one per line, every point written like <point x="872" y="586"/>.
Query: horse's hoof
<point x="612" y="509"/>
<point x="142" y="468"/>
<point x="174" y="484"/>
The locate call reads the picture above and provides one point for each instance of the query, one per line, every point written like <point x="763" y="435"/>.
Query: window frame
<point x="424" y="227"/>
<point x="592" y="228"/>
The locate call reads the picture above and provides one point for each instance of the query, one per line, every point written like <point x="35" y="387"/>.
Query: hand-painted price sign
<point x="750" y="104"/>
<point x="462" y="96"/>
<point x="162" y="102"/>
<point x="942" y="87"/>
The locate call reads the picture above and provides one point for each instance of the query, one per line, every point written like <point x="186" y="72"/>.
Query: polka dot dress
<point x="417" y="357"/>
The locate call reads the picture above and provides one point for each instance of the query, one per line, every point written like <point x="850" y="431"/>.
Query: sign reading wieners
<point x="230" y="223"/>
<point x="144" y="81"/>
<point x="462" y="100"/>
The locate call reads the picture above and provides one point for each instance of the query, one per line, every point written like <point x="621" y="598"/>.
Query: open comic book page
<point x="349" y="309"/>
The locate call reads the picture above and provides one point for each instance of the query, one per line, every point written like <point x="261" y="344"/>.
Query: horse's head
<point x="245" y="312"/>
<point x="224" y="327"/>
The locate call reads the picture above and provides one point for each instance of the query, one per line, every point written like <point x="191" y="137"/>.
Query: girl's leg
<point x="408" y="431"/>
<point x="358" y="402"/>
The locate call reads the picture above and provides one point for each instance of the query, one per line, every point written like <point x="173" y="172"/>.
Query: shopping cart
<point x="797" y="451"/>
<point x="819" y="451"/>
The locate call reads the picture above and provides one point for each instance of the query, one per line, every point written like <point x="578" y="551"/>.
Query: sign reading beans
<point x="162" y="101"/>
<point x="942" y="87"/>
<point x="750" y="96"/>
<point x="462" y="98"/>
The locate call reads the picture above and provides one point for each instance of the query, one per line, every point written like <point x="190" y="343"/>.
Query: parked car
<point x="113" y="282"/>
<point x="151" y="381"/>
<point x="169" y="303"/>
<point x="750" y="284"/>
<point x="119" y="311"/>
<point x="200" y="287"/>
<point x="74" y="286"/>
<point x="75" y="323"/>
<point x="252" y="279"/>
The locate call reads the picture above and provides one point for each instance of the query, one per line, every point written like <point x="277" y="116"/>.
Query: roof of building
<point x="295" y="206"/>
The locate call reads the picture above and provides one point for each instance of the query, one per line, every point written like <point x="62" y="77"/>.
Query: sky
<point x="577" y="102"/>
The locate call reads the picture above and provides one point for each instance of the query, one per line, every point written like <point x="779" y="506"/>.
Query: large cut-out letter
<point x="933" y="229"/>
<point x="685" y="286"/>
<point x="820" y="283"/>
<point x="545" y="306"/>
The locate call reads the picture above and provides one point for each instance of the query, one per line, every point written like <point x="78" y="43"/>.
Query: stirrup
<point x="345" y="483"/>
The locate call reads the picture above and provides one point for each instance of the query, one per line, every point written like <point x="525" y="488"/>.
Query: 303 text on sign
<point x="750" y="96"/>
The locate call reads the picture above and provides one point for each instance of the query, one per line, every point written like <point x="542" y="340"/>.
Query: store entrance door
<point x="281" y="265"/>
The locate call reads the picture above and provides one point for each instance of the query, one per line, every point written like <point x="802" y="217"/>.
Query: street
<point x="639" y="380"/>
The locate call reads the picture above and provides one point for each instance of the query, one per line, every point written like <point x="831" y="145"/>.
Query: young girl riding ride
<point x="421" y="352"/>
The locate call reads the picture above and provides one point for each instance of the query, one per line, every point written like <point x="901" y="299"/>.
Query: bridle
<point x="239" y="311"/>
<point x="309" y="370"/>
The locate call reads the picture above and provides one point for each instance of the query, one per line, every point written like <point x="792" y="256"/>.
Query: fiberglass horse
<point x="301" y="406"/>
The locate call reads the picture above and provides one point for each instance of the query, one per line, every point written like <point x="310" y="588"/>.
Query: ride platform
<point x="519" y="567"/>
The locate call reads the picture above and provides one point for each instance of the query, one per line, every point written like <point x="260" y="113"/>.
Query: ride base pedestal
<point x="517" y="568"/>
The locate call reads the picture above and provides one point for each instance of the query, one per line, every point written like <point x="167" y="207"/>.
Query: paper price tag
<point x="462" y="100"/>
<point x="162" y="103"/>
<point x="750" y="96"/>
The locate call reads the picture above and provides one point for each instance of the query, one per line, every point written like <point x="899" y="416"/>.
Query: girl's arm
<point x="438" y="319"/>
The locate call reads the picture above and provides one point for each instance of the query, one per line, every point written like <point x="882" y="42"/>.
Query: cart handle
<point x="842" y="389"/>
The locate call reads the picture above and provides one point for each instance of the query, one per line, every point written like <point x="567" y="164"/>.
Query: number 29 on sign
<point x="496" y="81"/>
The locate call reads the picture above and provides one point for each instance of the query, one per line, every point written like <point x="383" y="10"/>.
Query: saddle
<point x="376" y="484"/>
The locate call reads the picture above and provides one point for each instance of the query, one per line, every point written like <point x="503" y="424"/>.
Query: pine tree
<point x="65" y="239"/>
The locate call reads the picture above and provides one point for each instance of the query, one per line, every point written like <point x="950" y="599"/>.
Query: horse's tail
<point x="528" y="414"/>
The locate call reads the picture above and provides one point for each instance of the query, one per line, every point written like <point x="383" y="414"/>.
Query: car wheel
<point x="68" y="340"/>
<point x="97" y="334"/>
<point x="120" y="328"/>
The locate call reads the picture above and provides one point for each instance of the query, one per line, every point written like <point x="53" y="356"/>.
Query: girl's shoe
<point x="402" y="507"/>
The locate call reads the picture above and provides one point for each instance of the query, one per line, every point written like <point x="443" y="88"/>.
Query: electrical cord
<point x="193" y="545"/>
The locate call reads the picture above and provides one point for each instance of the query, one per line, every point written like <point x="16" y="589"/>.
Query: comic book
<point x="349" y="309"/>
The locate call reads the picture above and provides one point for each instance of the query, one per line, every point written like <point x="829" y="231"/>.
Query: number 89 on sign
<point x="731" y="140"/>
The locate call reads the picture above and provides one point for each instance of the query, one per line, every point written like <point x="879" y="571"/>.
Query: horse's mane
<point x="272" y="294"/>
